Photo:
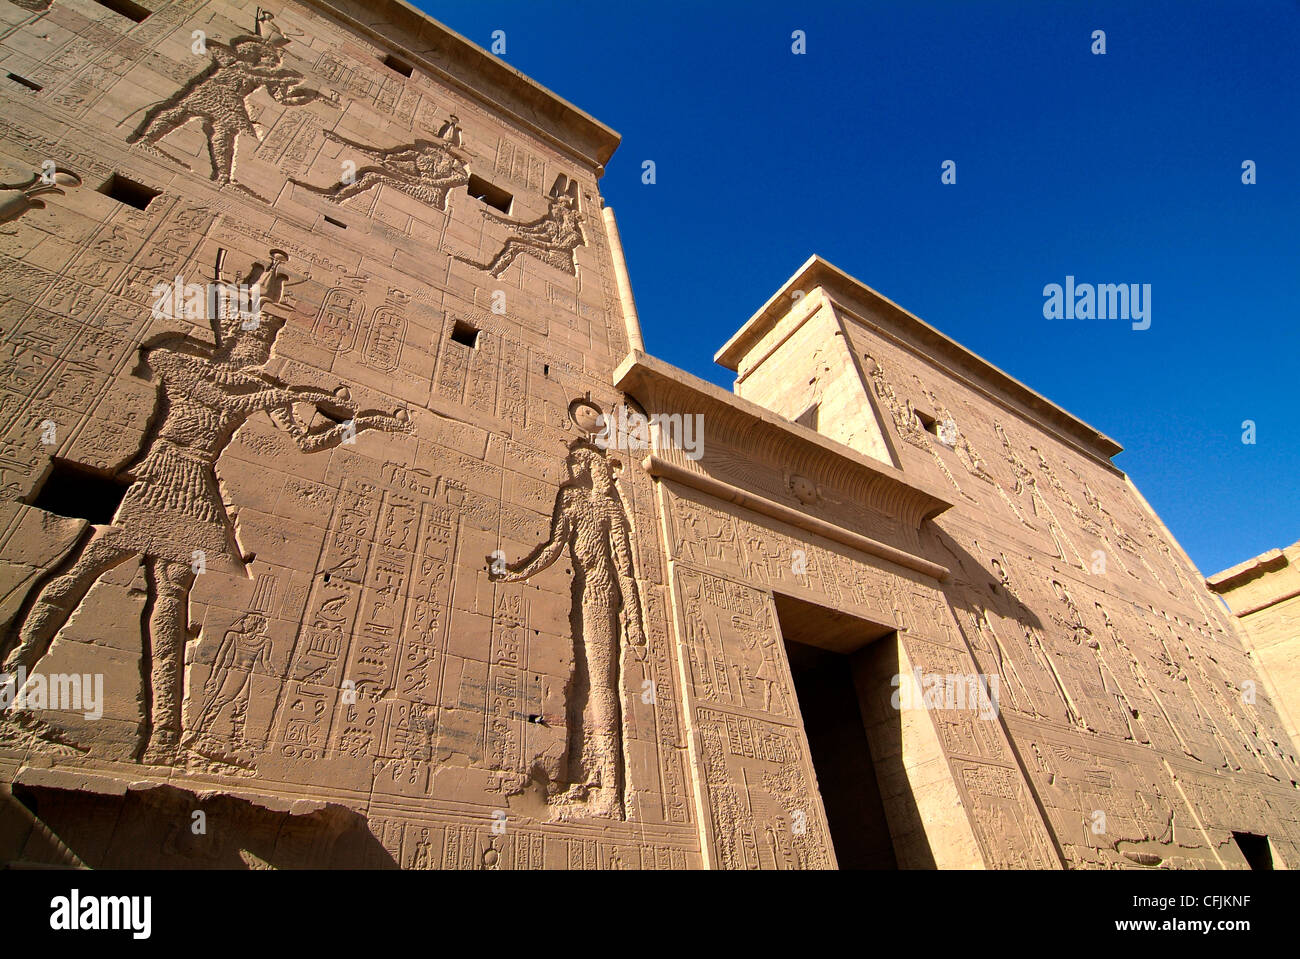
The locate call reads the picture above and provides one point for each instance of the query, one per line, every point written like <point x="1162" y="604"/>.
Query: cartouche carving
<point x="590" y="522"/>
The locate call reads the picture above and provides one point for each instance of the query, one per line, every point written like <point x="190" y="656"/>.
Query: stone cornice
<point x="446" y="55"/>
<point x="761" y="504"/>
<point x="860" y="501"/>
<point x="1267" y="562"/>
<point x="1266" y="580"/>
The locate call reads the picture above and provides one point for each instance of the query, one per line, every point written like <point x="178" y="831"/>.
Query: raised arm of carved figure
<point x="396" y="157"/>
<point x="291" y="95"/>
<point x="356" y="145"/>
<point x="284" y="86"/>
<point x="543" y="229"/>
<point x="189" y="376"/>
<point x="286" y="419"/>
<point x="311" y="394"/>
<point x="251" y="397"/>
<point x="530" y="227"/>
<point x="328" y="438"/>
<point x="544" y="556"/>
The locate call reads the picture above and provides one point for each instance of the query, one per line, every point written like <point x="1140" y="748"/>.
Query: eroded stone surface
<point x="365" y="581"/>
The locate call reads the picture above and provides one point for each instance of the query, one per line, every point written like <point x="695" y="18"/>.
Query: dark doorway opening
<point x="1256" y="849"/>
<point x="846" y="775"/>
<point x="833" y="660"/>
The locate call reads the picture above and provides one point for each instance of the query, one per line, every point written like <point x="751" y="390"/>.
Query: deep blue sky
<point x="1117" y="168"/>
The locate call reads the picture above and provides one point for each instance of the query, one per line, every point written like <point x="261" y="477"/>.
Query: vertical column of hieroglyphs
<point x="755" y="780"/>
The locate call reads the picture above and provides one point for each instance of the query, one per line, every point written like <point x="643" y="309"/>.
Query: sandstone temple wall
<point x="1125" y="690"/>
<point x="364" y="583"/>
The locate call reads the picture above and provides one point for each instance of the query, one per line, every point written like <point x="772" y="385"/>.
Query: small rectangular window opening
<point x="464" y="334"/>
<point x="808" y="417"/>
<point x="23" y="81"/>
<point x="480" y="189"/>
<point x="127" y="8"/>
<point x="928" y="422"/>
<point x="128" y="191"/>
<point x="397" y="66"/>
<point x="78" y="492"/>
<point x="338" y="223"/>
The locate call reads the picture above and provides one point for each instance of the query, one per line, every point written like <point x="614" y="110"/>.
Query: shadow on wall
<point x="971" y="584"/>
<point x="42" y="827"/>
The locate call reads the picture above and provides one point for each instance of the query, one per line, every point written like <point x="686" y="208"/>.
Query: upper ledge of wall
<point x="1229" y="579"/>
<point x="447" y="55"/>
<point x="893" y="505"/>
<point x="856" y="297"/>
<point x="1261" y="582"/>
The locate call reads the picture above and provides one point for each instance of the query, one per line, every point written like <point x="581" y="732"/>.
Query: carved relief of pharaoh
<point x="218" y="96"/>
<point x="590" y="523"/>
<point x="173" y="514"/>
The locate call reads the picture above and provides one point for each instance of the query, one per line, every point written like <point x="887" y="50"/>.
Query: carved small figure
<point x="245" y="649"/>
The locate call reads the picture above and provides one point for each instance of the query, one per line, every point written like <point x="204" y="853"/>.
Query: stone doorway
<point x="842" y="668"/>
